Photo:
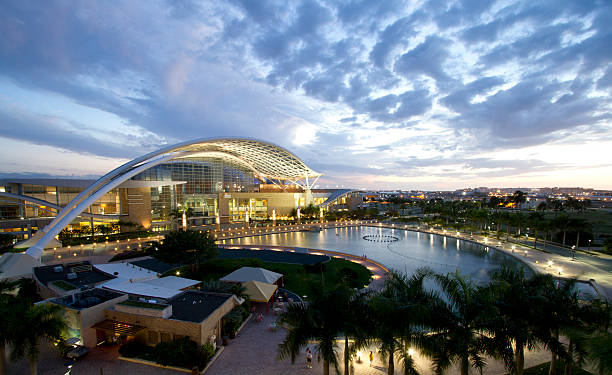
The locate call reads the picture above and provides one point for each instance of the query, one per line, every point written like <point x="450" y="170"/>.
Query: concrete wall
<point x="81" y="320"/>
<point x="139" y="206"/>
<point x="160" y="327"/>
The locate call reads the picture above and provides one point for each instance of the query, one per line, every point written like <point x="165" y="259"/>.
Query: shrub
<point x="133" y="349"/>
<point x="181" y="353"/>
<point x="208" y="350"/>
<point x="314" y="268"/>
<point x="232" y="321"/>
<point x="348" y="274"/>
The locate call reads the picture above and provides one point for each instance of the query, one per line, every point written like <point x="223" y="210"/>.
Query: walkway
<point x="254" y="351"/>
<point x="543" y="262"/>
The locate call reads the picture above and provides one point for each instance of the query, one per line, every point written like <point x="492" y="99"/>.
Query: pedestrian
<point x="371" y="357"/>
<point x="308" y="358"/>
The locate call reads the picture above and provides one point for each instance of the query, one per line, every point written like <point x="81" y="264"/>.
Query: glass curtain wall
<point x="204" y="178"/>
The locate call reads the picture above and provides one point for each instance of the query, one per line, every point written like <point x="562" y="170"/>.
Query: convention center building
<point x="216" y="181"/>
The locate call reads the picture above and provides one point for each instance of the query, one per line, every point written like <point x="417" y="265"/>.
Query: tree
<point x="560" y="300"/>
<point x="579" y="226"/>
<point x="465" y="334"/>
<point x="400" y="311"/>
<point x="562" y="223"/>
<point x="600" y="343"/>
<point x="518" y="198"/>
<point x="518" y="300"/>
<point x="38" y="323"/>
<point x="6" y="240"/>
<point x="320" y="320"/>
<point x="537" y="222"/>
<point x="185" y="247"/>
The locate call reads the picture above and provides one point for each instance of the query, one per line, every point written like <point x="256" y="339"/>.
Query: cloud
<point x="366" y="80"/>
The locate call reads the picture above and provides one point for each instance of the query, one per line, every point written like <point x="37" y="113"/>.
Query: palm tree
<point x="600" y="344"/>
<point x="536" y="222"/>
<point x="519" y="302"/>
<point x="518" y="198"/>
<point x="560" y="300"/>
<point x="579" y="225"/>
<point x="38" y="322"/>
<point x="400" y="312"/>
<point x="322" y="320"/>
<point x="465" y="333"/>
<point x="562" y="223"/>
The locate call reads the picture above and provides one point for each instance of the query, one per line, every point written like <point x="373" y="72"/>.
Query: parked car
<point x="77" y="352"/>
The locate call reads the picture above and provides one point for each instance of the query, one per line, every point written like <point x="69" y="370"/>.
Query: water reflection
<point x="413" y="250"/>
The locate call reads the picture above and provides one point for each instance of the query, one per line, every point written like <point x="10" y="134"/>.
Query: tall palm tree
<point x="536" y="220"/>
<point x="519" y="302"/>
<point x="465" y="335"/>
<point x="42" y="322"/>
<point x="400" y="312"/>
<point x="579" y="226"/>
<point x="562" y="223"/>
<point x="321" y="320"/>
<point x="560" y="300"/>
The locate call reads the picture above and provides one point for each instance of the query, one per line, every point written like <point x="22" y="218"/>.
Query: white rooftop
<point x="172" y="282"/>
<point x="246" y="274"/>
<point x="142" y="289"/>
<point x="126" y="271"/>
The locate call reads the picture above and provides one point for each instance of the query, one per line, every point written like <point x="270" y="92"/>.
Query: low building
<point x="84" y="309"/>
<point x="64" y="279"/>
<point x="195" y="314"/>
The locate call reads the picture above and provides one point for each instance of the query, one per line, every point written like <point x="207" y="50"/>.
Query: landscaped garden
<point x="297" y="278"/>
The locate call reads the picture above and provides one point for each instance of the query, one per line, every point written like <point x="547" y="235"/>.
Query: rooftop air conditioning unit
<point x="71" y="276"/>
<point x="58" y="269"/>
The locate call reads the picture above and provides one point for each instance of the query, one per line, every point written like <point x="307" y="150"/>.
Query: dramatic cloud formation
<point x="433" y="94"/>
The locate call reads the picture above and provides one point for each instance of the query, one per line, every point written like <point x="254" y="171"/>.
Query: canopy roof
<point x="245" y="274"/>
<point x="258" y="291"/>
<point x="266" y="159"/>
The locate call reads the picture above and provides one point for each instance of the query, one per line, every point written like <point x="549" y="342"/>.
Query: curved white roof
<point x="265" y="159"/>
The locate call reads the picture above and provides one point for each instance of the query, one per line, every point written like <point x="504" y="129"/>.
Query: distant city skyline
<point x="426" y="95"/>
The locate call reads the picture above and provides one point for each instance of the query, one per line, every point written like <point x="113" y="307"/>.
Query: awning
<point x="118" y="327"/>
<point x="258" y="291"/>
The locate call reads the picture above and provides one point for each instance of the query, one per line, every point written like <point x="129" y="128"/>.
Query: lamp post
<point x="589" y="248"/>
<point x="574" y="252"/>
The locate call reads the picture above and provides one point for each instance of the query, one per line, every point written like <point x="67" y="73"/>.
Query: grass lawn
<point x="543" y="369"/>
<point x="298" y="278"/>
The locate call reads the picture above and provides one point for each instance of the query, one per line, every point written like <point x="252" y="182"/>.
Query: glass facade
<point x="257" y="208"/>
<point x="204" y="178"/>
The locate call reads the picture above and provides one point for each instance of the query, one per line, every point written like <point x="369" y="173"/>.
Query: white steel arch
<point x="264" y="159"/>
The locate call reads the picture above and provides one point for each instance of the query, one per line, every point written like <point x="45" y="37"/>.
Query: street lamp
<point x="589" y="245"/>
<point x="574" y="252"/>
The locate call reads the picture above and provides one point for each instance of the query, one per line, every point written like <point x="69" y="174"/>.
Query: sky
<point x="434" y="95"/>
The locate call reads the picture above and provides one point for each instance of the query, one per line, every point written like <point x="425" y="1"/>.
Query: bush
<point x="314" y="268"/>
<point x="348" y="274"/>
<point x="182" y="353"/>
<point x="134" y="349"/>
<point x="232" y="321"/>
<point x="208" y="351"/>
